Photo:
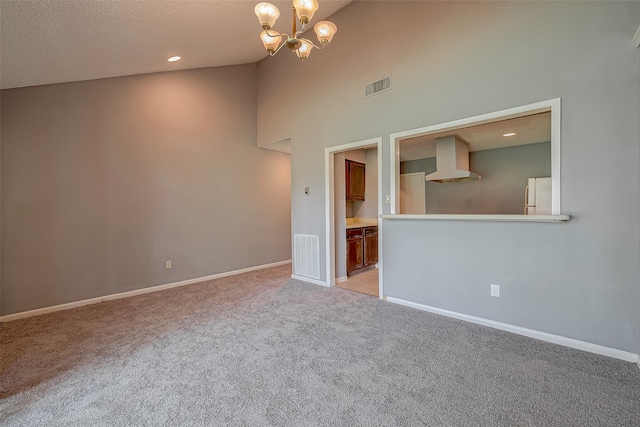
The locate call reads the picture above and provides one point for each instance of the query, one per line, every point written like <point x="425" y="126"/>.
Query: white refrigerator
<point x="537" y="197"/>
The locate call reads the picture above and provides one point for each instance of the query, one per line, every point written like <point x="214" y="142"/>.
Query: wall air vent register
<point x="377" y="87"/>
<point x="306" y="252"/>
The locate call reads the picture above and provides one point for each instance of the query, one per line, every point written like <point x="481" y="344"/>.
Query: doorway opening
<point x="352" y="225"/>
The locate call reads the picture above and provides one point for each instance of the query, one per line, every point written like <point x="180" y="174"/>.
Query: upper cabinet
<point x="355" y="180"/>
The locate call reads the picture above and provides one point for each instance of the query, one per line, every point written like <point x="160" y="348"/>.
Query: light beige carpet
<point x="260" y="349"/>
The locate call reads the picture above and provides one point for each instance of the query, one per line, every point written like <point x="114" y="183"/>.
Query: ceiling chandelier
<point x="303" y="10"/>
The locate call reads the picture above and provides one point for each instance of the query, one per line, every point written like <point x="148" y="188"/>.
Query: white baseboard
<point x="341" y="279"/>
<point x="75" y="304"/>
<point x="309" y="280"/>
<point x="531" y="333"/>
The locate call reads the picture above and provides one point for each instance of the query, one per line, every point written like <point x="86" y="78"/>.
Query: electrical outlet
<point x="495" y="291"/>
<point x="167" y="264"/>
<point x="306" y="190"/>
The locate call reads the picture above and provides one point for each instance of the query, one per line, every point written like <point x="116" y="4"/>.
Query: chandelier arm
<point x="302" y="30"/>
<point x="277" y="34"/>
<point x="313" y="44"/>
<point x="278" y="49"/>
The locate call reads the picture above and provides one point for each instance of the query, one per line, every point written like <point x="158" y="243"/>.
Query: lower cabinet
<point x="355" y="245"/>
<point x="370" y="246"/>
<point x="362" y="248"/>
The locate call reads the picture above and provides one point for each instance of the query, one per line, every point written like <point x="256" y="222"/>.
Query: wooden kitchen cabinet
<point x="362" y="248"/>
<point x="355" y="252"/>
<point x="354" y="173"/>
<point x="370" y="249"/>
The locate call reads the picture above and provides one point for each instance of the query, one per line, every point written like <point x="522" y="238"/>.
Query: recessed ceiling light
<point x="174" y="59"/>
<point x="509" y="134"/>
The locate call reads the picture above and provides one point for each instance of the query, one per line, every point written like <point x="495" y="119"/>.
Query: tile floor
<point x="365" y="283"/>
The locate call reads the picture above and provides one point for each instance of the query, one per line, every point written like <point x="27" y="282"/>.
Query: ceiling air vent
<point x="377" y="87"/>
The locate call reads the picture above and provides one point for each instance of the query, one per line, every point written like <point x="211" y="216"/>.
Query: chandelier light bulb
<point x="305" y="9"/>
<point x="271" y="42"/>
<point x="325" y="31"/>
<point x="267" y="14"/>
<point x="304" y="50"/>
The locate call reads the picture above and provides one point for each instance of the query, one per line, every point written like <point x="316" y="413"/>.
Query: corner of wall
<point x="0" y="210"/>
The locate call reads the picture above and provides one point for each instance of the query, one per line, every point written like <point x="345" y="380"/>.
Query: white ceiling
<point x="55" y="41"/>
<point x="529" y="130"/>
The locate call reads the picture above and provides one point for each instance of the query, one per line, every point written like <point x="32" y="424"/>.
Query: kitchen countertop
<point x="361" y="222"/>
<point x="480" y="217"/>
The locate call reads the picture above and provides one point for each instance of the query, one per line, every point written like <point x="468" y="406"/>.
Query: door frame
<point x="329" y="186"/>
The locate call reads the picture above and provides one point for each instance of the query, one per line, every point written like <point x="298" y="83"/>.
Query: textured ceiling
<point x="54" y="41"/>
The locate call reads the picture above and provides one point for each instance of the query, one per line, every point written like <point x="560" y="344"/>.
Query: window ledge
<point x="475" y="217"/>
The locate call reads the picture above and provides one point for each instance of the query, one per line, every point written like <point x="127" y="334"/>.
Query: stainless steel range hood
<point x="452" y="161"/>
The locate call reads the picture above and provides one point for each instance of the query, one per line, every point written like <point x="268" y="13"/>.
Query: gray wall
<point x="451" y="60"/>
<point x="504" y="173"/>
<point x="102" y="181"/>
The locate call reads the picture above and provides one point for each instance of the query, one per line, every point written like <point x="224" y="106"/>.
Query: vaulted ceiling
<point x="54" y="41"/>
